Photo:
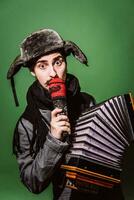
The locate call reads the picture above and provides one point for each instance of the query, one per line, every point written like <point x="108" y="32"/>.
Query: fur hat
<point x="40" y="43"/>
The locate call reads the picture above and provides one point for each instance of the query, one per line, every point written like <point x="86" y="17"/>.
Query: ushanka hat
<point x="38" y="44"/>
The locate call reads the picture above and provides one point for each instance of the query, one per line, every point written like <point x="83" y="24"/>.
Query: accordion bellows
<point x="99" y="141"/>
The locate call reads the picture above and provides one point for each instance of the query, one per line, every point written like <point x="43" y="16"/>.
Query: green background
<point x="104" y="29"/>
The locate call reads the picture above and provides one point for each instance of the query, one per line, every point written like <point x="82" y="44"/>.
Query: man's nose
<point x="53" y="72"/>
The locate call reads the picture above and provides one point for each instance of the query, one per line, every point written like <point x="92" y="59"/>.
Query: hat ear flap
<point x="15" y="67"/>
<point x="71" y="47"/>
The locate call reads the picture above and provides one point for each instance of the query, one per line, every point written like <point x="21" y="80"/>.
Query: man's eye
<point x="58" y="62"/>
<point x="42" y="66"/>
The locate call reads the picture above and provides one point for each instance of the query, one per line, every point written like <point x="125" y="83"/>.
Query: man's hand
<point x="59" y="123"/>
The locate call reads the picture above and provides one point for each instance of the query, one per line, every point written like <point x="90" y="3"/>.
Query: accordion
<point x="100" y="139"/>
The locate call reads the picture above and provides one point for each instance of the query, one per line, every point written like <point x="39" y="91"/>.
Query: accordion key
<point x="99" y="141"/>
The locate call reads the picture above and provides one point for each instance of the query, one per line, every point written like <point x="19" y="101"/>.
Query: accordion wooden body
<point x="100" y="139"/>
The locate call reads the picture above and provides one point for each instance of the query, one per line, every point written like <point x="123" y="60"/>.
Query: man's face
<point x="48" y="67"/>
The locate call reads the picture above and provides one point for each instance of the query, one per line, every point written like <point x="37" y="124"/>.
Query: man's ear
<point x="33" y="74"/>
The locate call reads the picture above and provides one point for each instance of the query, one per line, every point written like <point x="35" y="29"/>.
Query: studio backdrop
<point x="105" y="32"/>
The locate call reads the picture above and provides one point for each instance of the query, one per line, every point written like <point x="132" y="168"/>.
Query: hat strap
<point x="14" y="92"/>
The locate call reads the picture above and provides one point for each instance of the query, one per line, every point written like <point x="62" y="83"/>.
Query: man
<point x="38" y="139"/>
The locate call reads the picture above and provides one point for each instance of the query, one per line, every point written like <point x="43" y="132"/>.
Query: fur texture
<point x="40" y="43"/>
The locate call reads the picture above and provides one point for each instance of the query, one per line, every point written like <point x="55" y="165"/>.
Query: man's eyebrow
<point x="54" y="59"/>
<point x="57" y="57"/>
<point x="41" y="61"/>
<point x="60" y="56"/>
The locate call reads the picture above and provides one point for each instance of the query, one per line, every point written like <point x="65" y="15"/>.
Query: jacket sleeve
<point x="36" y="172"/>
